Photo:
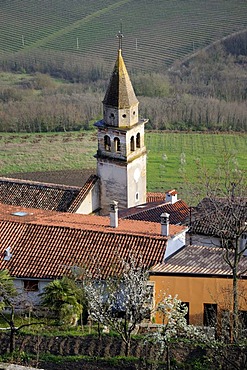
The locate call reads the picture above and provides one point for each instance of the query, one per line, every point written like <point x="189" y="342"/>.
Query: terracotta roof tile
<point x="152" y="211"/>
<point x="46" y="244"/>
<point x="78" y="221"/>
<point x="155" y="197"/>
<point x="197" y="260"/>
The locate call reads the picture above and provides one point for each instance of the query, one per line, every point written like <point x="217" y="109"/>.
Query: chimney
<point x="7" y="255"/>
<point x="165" y="224"/>
<point x="114" y="214"/>
<point x="172" y="196"/>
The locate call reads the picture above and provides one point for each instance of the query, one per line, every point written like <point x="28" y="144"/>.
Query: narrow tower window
<point x="138" y="140"/>
<point x="107" y="142"/>
<point x="117" y="146"/>
<point x="132" y="143"/>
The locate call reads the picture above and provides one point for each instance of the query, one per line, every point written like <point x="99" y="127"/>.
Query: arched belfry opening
<point x="107" y="143"/>
<point x="132" y="143"/>
<point x="117" y="145"/>
<point x="138" y="140"/>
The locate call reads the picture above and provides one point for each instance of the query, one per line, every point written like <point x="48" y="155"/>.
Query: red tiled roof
<point x="84" y="222"/>
<point x="46" y="244"/>
<point x="83" y="193"/>
<point x="198" y="260"/>
<point x="152" y="211"/>
<point x="155" y="197"/>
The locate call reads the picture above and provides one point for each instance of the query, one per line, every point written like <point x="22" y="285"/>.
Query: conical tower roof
<point x="120" y="93"/>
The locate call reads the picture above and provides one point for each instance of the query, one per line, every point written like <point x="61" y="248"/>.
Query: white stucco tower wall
<point x="121" y="154"/>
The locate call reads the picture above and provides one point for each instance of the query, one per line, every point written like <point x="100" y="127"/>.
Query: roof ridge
<point x="38" y="183"/>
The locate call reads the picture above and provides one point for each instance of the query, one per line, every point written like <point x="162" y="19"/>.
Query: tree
<point x="120" y="302"/>
<point x="173" y="312"/>
<point x="65" y="299"/>
<point x="222" y="216"/>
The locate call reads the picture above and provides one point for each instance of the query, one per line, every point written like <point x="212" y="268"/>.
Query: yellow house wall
<point x="197" y="291"/>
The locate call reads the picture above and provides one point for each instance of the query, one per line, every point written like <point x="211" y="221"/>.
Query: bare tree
<point x="221" y="217"/>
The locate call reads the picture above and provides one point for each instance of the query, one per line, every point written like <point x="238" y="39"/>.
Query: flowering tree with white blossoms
<point x="173" y="312"/>
<point x="120" y="302"/>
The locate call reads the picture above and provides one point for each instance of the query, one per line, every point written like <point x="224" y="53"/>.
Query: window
<point x="210" y="314"/>
<point x="132" y="143"/>
<point x="107" y="142"/>
<point x="137" y="196"/>
<point x="138" y="140"/>
<point x="31" y="285"/>
<point x="124" y="116"/>
<point x="187" y="316"/>
<point x="117" y="146"/>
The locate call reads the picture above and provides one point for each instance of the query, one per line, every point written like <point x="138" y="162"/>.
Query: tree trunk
<point x="127" y="348"/>
<point x="12" y="340"/>
<point x="168" y="363"/>
<point x="235" y="318"/>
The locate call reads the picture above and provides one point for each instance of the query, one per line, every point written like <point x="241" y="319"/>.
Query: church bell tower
<point x="121" y="154"/>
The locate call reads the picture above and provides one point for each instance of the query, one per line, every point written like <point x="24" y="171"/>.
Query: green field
<point x="170" y="155"/>
<point x="157" y="32"/>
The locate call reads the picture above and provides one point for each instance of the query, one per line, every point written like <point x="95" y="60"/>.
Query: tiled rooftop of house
<point x="83" y="193"/>
<point x="155" y="197"/>
<point x="219" y="216"/>
<point x="46" y="244"/>
<point x="47" y="196"/>
<point x="198" y="260"/>
<point x="152" y="211"/>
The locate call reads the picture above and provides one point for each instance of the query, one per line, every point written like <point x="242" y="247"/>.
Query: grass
<point x="173" y="156"/>
<point x="47" y="152"/>
<point x="170" y="155"/>
<point x="156" y="34"/>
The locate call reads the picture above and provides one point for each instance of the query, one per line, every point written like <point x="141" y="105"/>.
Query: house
<point x="39" y="245"/>
<point x="216" y="220"/>
<point x="202" y="280"/>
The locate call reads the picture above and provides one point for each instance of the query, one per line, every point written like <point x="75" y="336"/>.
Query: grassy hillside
<point x="157" y="32"/>
<point x="170" y="155"/>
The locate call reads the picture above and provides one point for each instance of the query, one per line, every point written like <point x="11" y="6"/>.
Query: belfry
<point x="121" y="154"/>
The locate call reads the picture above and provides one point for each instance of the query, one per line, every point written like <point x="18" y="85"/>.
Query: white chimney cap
<point x="113" y="205"/>
<point x="7" y="254"/>
<point x="114" y="214"/>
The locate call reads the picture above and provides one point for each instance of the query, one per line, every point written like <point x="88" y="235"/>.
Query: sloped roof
<point x="46" y="244"/>
<point x="155" y="197"/>
<point x="120" y="92"/>
<point x="47" y="196"/>
<point x="198" y="260"/>
<point x="83" y="193"/>
<point x="178" y="211"/>
<point x="37" y="195"/>
<point x="219" y="216"/>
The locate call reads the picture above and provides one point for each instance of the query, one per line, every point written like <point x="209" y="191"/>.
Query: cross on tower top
<point x="120" y="38"/>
